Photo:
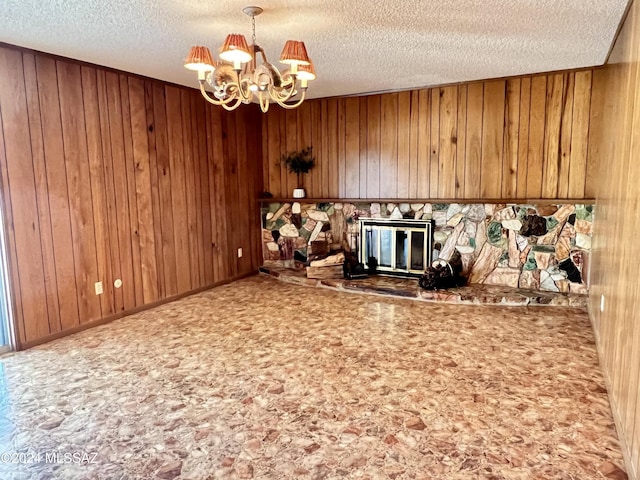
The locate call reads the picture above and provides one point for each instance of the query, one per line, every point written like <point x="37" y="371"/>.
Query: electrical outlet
<point x="602" y="302"/>
<point x="240" y="253"/>
<point x="98" y="286"/>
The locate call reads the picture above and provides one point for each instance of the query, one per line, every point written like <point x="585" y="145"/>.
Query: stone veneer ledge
<point x="408" y="288"/>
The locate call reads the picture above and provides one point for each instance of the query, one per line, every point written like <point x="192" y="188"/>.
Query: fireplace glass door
<point x="401" y="247"/>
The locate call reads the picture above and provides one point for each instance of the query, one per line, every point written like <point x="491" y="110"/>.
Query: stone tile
<point x="485" y="263"/>
<point x="513" y="224"/>
<point x="514" y="252"/>
<point x="583" y="241"/>
<point x="450" y="245"/>
<point x="318" y="215"/>
<point x="507" y="213"/>
<point x="584" y="226"/>
<point x="563" y="213"/>
<point x="529" y="279"/>
<point x="547" y="283"/>
<point x="505" y="276"/>
<point x="543" y="259"/>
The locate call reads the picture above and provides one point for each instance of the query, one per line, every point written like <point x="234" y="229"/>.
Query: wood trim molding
<point x="533" y="201"/>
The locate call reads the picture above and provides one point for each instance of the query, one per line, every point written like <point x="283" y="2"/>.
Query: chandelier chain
<point x="253" y="29"/>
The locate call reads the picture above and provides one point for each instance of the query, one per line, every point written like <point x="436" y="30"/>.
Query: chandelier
<point x="237" y="78"/>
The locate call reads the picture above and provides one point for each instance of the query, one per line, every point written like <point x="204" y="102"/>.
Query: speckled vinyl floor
<point x="264" y="379"/>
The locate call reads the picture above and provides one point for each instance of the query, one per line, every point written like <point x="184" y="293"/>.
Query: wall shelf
<point x="520" y="201"/>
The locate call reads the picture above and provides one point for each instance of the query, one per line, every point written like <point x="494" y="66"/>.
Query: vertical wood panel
<point x="511" y="138"/>
<point x="132" y="200"/>
<point x="566" y="128"/>
<point x="143" y="192"/>
<point x="535" y="153"/>
<point x="316" y="172"/>
<point x="333" y="167"/>
<point x="373" y="146"/>
<point x="47" y="84"/>
<point x="461" y="141"/>
<point x="417" y="138"/>
<point x="205" y="192"/>
<point x="118" y="172"/>
<point x="191" y="224"/>
<point x="107" y="175"/>
<point x="425" y="138"/>
<point x="434" y="145"/>
<point x="98" y="193"/>
<point x="404" y="142"/>
<point x="492" y="139"/>
<point x="364" y="126"/>
<point x="219" y="220"/>
<point x="230" y="155"/>
<point x="15" y="303"/>
<point x="21" y="188"/>
<point x="178" y="189"/>
<point x="389" y="146"/>
<point x="40" y="171"/>
<point x="341" y="156"/>
<point x="523" y="138"/>
<point x="473" y="161"/>
<point x="243" y="191"/>
<point x="579" y="135"/>
<point x="291" y="144"/>
<point x="352" y="147"/>
<point x="554" y="109"/>
<point x="196" y="181"/>
<point x="325" y="162"/>
<point x="78" y="177"/>
<point x="273" y="132"/>
<point x="155" y="195"/>
<point x="598" y="128"/>
<point x="447" y="158"/>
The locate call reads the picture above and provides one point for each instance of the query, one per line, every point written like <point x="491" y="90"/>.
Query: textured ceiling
<point x="357" y="47"/>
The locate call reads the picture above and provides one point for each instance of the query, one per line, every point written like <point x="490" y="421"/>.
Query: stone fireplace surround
<point x="542" y="247"/>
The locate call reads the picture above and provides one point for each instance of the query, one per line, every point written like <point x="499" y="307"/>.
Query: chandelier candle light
<point x="238" y="79"/>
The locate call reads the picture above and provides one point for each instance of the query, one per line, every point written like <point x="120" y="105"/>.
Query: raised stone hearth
<point x="408" y="288"/>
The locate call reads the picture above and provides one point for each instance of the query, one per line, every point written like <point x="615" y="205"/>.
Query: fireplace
<point x="400" y="247"/>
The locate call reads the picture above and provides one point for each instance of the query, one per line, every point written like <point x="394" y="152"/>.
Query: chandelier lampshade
<point x="294" y="52"/>
<point x="235" y="49"/>
<point x="307" y="72"/>
<point x="239" y="78"/>
<point x="199" y="59"/>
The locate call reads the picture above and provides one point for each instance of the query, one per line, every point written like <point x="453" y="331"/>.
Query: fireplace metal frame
<point x="405" y="225"/>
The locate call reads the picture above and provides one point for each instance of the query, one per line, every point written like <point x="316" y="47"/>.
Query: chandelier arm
<point x="209" y="99"/>
<point x="291" y="106"/>
<point x="234" y="106"/>
<point x="279" y="97"/>
<point x="243" y="88"/>
<point x="289" y="93"/>
<point x="264" y="102"/>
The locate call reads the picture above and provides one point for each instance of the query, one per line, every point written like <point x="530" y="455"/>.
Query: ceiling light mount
<point x="238" y="79"/>
<point x="252" y="11"/>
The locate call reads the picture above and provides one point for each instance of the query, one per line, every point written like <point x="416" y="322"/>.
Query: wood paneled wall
<point x="616" y="256"/>
<point x="107" y="175"/>
<point x="504" y="139"/>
